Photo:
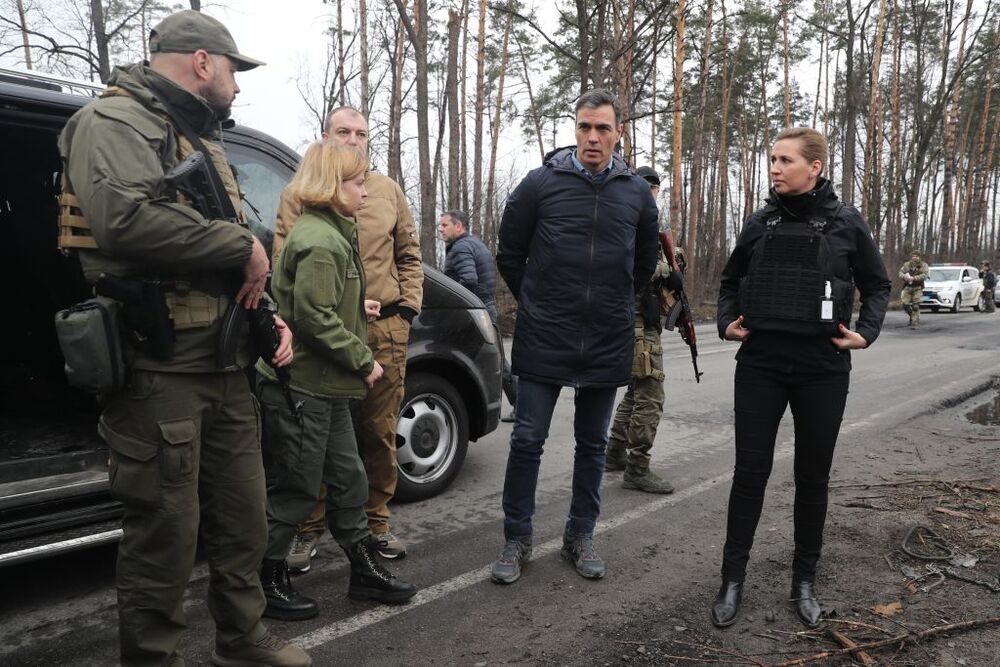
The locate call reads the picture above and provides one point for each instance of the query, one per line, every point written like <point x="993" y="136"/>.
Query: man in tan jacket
<point x="390" y="253"/>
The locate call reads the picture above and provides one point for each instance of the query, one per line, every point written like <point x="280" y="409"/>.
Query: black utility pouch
<point x="89" y="336"/>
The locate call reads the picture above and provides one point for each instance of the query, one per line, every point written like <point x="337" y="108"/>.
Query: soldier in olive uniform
<point x="989" y="286"/>
<point x="913" y="272"/>
<point x="184" y="433"/>
<point x="638" y="415"/>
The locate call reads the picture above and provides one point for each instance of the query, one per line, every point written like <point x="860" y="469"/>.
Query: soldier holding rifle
<point x="184" y="432"/>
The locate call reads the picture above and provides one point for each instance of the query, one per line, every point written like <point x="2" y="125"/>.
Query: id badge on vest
<point x="826" y="304"/>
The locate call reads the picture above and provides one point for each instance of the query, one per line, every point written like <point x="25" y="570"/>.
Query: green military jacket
<point x="115" y="153"/>
<point x="319" y="284"/>
<point x="918" y="272"/>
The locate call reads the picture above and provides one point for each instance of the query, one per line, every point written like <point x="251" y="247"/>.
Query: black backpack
<point x="789" y="285"/>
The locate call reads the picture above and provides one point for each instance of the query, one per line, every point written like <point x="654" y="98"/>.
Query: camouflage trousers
<point x="638" y="415"/>
<point x="911" y="298"/>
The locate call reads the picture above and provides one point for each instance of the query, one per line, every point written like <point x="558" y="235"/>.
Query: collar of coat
<point x="562" y="158"/>
<point x="149" y="87"/>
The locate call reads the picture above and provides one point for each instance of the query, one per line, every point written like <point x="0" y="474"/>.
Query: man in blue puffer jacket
<point x="577" y="240"/>
<point x="468" y="261"/>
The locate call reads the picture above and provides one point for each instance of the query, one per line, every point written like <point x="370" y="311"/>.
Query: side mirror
<point x="966" y="279"/>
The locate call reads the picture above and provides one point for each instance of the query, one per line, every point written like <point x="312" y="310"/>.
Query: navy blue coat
<point x="573" y="252"/>
<point x="469" y="263"/>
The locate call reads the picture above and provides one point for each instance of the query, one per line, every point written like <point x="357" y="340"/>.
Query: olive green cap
<point x="189" y="30"/>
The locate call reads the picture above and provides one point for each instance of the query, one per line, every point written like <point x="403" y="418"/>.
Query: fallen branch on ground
<point x="883" y="643"/>
<point x="846" y="642"/>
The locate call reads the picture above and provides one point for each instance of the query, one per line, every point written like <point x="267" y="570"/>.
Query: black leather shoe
<point x="727" y="603"/>
<point x="806" y="605"/>
<point x="283" y="601"/>
<point x="369" y="578"/>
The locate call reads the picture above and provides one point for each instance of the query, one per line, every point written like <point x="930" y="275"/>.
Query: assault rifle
<point x="192" y="177"/>
<point x="680" y="314"/>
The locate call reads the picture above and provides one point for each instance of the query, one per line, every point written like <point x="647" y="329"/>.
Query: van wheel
<point x="432" y="437"/>
<point x="958" y="303"/>
<point x="980" y="303"/>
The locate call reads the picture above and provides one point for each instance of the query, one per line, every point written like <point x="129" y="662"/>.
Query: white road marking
<point x="436" y="592"/>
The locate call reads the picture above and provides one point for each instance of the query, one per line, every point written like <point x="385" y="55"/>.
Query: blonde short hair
<point x="813" y="144"/>
<point x="324" y="167"/>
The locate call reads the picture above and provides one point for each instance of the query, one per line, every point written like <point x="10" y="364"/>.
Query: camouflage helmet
<point x="916" y="252"/>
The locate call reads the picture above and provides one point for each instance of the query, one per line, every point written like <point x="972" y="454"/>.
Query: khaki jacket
<point x="116" y="151"/>
<point x="390" y="250"/>
<point x="319" y="284"/>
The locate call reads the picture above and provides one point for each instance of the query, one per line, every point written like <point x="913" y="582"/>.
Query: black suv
<point x="53" y="465"/>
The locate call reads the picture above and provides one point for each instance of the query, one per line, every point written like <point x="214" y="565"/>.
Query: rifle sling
<point x="220" y="190"/>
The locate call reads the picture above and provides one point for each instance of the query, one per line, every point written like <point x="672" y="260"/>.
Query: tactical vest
<point x="790" y="286"/>
<point x="189" y="307"/>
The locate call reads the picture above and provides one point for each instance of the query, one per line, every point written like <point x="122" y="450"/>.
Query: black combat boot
<point x="283" y="601"/>
<point x="807" y="607"/>
<point x="727" y="603"/>
<point x="370" y="580"/>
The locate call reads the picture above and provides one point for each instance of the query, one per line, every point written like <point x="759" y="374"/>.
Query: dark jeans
<point x="532" y="416"/>
<point x="817" y="402"/>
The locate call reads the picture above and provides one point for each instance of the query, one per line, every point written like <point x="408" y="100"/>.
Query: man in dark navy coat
<point x="577" y="238"/>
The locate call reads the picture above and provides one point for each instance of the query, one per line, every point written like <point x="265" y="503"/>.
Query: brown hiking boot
<point x="268" y="651"/>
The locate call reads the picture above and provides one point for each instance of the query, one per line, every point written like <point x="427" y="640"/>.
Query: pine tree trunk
<point x="464" y="159"/>
<point x="892" y="235"/>
<point x="100" y="40"/>
<point x="950" y="157"/>
<point x="788" y="87"/>
<point x="363" y="29"/>
<point x="477" y="155"/>
<point x="454" y="122"/>
<point x="872" y="143"/>
<point x="697" y="202"/>
<point x="341" y="73"/>
<point x="675" y="196"/>
<point x="532" y="108"/>
<point x="395" y="166"/>
<point x="24" y="34"/>
<point x="495" y="131"/>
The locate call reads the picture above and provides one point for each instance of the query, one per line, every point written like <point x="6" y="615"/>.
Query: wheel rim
<point x="426" y="438"/>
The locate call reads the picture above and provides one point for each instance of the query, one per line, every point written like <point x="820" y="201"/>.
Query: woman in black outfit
<point x="786" y="295"/>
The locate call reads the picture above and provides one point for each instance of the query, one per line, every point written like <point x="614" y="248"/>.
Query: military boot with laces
<point x="268" y="651"/>
<point x="370" y="580"/>
<point x="644" y="479"/>
<point x="284" y="603"/>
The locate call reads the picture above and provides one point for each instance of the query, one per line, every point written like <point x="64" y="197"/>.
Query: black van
<point x="53" y="465"/>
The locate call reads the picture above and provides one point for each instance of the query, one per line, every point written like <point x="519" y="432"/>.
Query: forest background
<point x="465" y="96"/>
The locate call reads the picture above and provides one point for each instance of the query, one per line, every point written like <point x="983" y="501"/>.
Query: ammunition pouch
<point x="647" y="358"/>
<point x="193" y="309"/>
<point x="89" y="336"/>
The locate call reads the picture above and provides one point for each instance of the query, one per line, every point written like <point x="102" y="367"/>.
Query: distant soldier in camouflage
<point x="639" y="413"/>
<point x="913" y="273"/>
<point x="989" y="285"/>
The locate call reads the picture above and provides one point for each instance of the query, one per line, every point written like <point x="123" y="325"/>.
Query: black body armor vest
<point x="790" y="284"/>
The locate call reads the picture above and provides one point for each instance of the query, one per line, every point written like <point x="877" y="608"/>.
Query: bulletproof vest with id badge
<point x="790" y="284"/>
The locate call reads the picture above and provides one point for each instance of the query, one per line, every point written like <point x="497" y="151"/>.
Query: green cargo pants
<point x="185" y="454"/>
<point x="319" y="448"/>
<point x="638" y="415"/>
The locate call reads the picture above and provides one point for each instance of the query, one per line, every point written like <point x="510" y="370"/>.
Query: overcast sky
<point x="290" y="39"/>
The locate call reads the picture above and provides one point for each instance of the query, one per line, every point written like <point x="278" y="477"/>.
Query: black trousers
<point x="817" y="401"/>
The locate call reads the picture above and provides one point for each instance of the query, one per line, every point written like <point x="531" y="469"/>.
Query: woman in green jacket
<point x="319" y="284"/>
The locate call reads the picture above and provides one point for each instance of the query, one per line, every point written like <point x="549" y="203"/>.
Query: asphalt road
<point x="62" y="611"/>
